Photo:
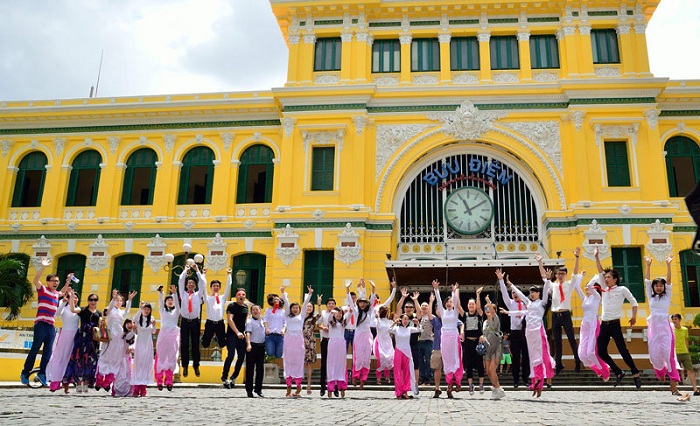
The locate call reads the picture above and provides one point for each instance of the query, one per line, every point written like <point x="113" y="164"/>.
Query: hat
<point x="362" y="299"/>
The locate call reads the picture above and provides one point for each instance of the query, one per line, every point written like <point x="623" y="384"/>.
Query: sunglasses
<point x="410" y="307"/>
<point x="92" y="299"/>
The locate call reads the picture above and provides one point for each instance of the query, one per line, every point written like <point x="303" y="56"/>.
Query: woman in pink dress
<point x="336" y="365"/>
<point x="450" y="346"/>
<point x="383" y="347"/>
<point x="70" y="321"/>
<point x="404" y="379"/>
<point x="113" y="352"/>
<point x="168" y="342"/>
<point x="293" y="349"/>
<point x="590" y="327"/>
<point x="143" y="350"/>
<point x="362" y="342"/>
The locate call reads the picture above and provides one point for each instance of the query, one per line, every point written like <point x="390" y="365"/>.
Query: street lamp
<point x="241" y="278"/>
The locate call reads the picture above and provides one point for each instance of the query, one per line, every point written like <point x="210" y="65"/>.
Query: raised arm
<point x="520" y="294"/>
<point x="478" y="301"/>
<point x="596" y="256"/>
<point x="62" y="305"/>
<point x="540" y="264"/>
<point x="201" y="283"/>
<point x="45" y="261"/>
<point x="71" y="303"/>
<point x="455" y="299"/>
<point x="389" y="299"/>
<point x="285" y="300"/>
<point x="431" y="300"/>
<point x="546" y="289"/>
<point x="414" y="297"/>
<point x="502" y="286"/>
<point x="438" y="299"/>
<point x="669" y="259"/>
<point x="577" y="285"/>
<point x="229" y="284"/>
<point x="404" y="295"/>
<point x="577" y="253"/>
<point x="115" y="292"/>
<point x="127" y="305"/>
<point x="181" y="282"/>
<point x="307" y="299"/>
<point x="161" y="303"/>
<point x="648" y="290"/>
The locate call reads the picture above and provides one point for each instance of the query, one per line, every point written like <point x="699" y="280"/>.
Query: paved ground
<point x="212" y="405"/>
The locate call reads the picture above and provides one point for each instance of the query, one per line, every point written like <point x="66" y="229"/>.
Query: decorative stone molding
<point x="309" y="38"/>
<point x="359" y="121"/>
<point x="346" y="37"/>
<point x="659" y="245"/>
<point x="129" y="226"/>
<point x="169" y="142"/>
<point x="156" y="253"/>
<point x="362" y="37"/>
<point x="15" y="227"/>
<point x="467" y="122"/>
<point x="390" y="138"/>
<point x="569" y="30"/>
<point x="34" y="143"/>
<point x="98" y="258"/>
<point x="42" y="248"/>
<point x="596" y="237"/>
<point x="544" y="134"/>
<point x="59" y="144"/>
<point x="227" y="139"/>
<point x="545" y="77"/>
<point x="505" y="77"/>
<point x="327" y="78"/>
<point x="623" y="29"/>
<point x="88" y="142"/>
<point x="318" y="214"/>
<point x="294" y="39"/>
<point x="465" y="78"/>
<point x="444" y="38"/>
<point x="584" y="30"/>
<point x="607" y="71"/>
<point x="578" y="117"/>
<point x="113" y="143"/>
<point x="248" y="224"/>
<point x="288" y="248"/>
<point x="288" y="126"/>
<point x="426" y="79"/>
<point x="386" y="80"/>
<point x="6" y="145"/>
<point x="483" y="36"/>
<point x="405" y="39"/>
<point x="652" y="117"/>
<point x="188" y="225"/>
<point x="640" y="28"/>
<point x="323" y="137"/>
<point x="523" y="35"/>
<point x="603" y="132"/>
<point x="625" y="209"/>
<point x="71" y="226"/>
<point x="217" y="258"/>
<point x="348" y="249"/>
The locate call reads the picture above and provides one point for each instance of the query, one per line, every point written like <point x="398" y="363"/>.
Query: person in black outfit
<point x="236" y="316"/>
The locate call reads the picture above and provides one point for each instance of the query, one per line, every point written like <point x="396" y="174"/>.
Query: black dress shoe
<point x="336" y="393"/>
<point x="323" y="392"/>
<point x="516" y="384"/>
<point x="250" y="395"/>
<point x="637" y="382"/>
<point x="259" y="394"/>
<point x="558" y="369"/>
<point x="578" y="367"/>
<point x="196" y="370"/>
<point x="619" y="378"/>
<point x="185" y="370"/>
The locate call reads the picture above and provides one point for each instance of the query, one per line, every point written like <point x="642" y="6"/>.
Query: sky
<point x="51" y="49"/>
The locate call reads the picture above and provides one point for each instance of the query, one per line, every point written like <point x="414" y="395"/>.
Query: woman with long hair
<point x="450" y="345"/>
<point x="112" y="355"/>
<point x="293" y="349"/>
<point x="310" y="340"/>
<point x="168" y="342"/>
<point x="82" y="367"/>
<point x="56" y="368"/>
<point x="143" y="350"/>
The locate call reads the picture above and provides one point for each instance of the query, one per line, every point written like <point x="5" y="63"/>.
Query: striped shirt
<point x="47" y="305"/>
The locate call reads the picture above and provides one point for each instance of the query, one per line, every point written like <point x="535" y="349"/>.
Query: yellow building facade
<point x="545" y="114"/>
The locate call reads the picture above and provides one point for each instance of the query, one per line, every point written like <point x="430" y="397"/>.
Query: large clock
<point x="469" y="210"/>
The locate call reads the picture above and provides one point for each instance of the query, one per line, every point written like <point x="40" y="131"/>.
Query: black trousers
<point x="563" y="320"/>
<point x="613" y="329"/>
<point x="520" y="356"/>
<point x="189" y="335"/>
<point x="471" y="359"/>
<point x="324" y="361"/>
<point x="234" y="346"/>
<point x="255" y="363"/>
<point x="212" y="328"/>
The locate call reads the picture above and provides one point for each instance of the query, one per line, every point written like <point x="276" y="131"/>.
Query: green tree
<point x="15" y="290"/>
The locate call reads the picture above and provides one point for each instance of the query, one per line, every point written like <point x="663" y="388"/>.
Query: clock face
<point x="469" y="210"/>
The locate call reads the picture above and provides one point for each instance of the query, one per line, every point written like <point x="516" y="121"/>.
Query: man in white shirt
<point x="215" y="313"/>
<point x="190" y="310"/>
<point x="323" y="322"/>
<point x="562" y="291"/>
<point x="613" y="298"/>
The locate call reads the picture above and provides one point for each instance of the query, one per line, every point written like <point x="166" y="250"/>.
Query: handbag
<point x="481" y="348"/>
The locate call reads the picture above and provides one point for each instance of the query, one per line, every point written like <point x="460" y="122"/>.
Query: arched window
<point x="249" y="273"/>
<point x="29" y="185"/>
<point x="196" y="176"/>
<point x="128" y="271"/>
<point x="84" y="179"/>
<point x="255" y="175"/>
<point x="682" y="165"/>
<point x="690" y="271"/>
<point x="73" y="264"/>
<point x="140" y="178"/>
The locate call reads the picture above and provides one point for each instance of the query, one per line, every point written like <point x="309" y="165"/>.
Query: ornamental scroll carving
<point x="390" y="138"/>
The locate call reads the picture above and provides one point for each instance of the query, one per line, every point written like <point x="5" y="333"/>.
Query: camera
<point x="74" y="279"/>
<point x="160" y="288"/>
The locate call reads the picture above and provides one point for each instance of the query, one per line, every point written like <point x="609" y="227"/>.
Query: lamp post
<point x="241" y="277"/>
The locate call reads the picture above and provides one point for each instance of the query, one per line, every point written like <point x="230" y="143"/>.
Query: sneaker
<point x="24" y="379"/>
<point x="227" y="384"/>
<point x="481" y="389"/>
<point x="471" y="389"/>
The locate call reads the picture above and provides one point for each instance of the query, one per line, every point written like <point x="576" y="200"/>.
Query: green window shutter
<point x="322" y="169"/>
<point x="139" y="178"/>
<point x="254" y="267"/>
<point x="196" y="176"/>
<point x="544" y="52"/>
<point x="386" y="56"/>
<point x="617" y="163"/>
<point x="682" y="165"/>
<point x="628" y="262"/>
<point x="690" y="272"/>
<point x="255" y="175"/>
<point x="29" y="183"/>
<point x="327" y="54"/>
<point x="127" y="276"/>
<point x="318" y="272"/>
<point x="84" y="181"/>
<point x="464" y="54"/>
<point x="504" y="53"/>
<point x="604" y="46"/>
<point x="75" y="264"/>
<point x="425" y="54"/>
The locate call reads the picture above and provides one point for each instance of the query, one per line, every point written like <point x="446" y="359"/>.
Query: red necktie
<point x="275" y="307"/>
<point x="217" y="298"/>
<point x="561" y="292"/>
<point x="352" y="319"/>
<point x="189" y="301"/>
<point x="520" y="305"/>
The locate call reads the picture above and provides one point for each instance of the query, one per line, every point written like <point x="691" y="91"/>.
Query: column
<point x="641" y="52"/>
<point x="167" y="184"/>
<point x="108" y="194"/>
<point x="524" y="55"/>
<point x="445" y="58"/>
<point x="405" y="40"/>
<point x="220" y="193"/>
<point x="627" y="60"/>
<point x="306" y="59"/>
<point x="363" y="57"/>
<point x="586" y="53"/>
<point x="567" y="48"/>
<point x="485" y="56"/>
<point x="346" y="57"/>
<point x="294" y="58"/>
